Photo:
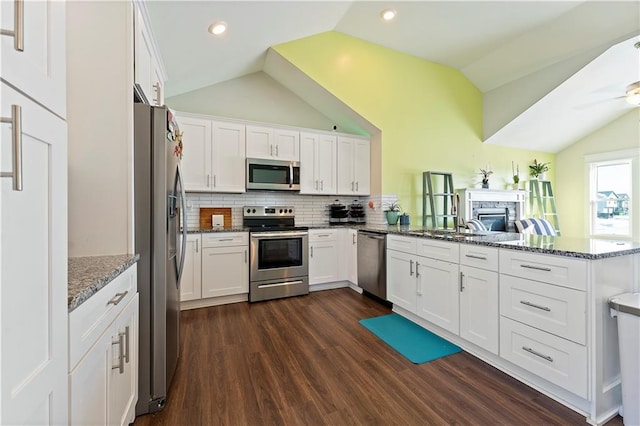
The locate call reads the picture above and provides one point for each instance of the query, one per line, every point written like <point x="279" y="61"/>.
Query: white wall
<point x="100" y="111"/>
<point x="255" y="97"/>
<point x="572" y="184"/>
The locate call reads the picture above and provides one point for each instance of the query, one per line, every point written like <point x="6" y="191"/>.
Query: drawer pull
<point x="533" y="305"/>
<point x="120" y="343"/>
<point x="473" y="256"/>
<point x="18" y="28"/>
<point x="324" y="235"/>
<point x="127" y="338"/>
<point x="16" y="140"/>
<point x="225" y="239"/>
<point x="117" y="298"/>
<point x="536" y="353"/>
<point x="537" y="268"/>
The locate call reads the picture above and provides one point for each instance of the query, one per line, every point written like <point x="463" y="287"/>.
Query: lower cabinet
<point x="103" y="382"/>
<point x="401" y="283"/>
<point x="479" y="315"/>
<point x="191" y="281"/>
<point x="351" y="254"/>
<point x="225" y="271"/>
<point x="323" y="256"/>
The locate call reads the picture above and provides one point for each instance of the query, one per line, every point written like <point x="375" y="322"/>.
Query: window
<point x="610" y="194"/>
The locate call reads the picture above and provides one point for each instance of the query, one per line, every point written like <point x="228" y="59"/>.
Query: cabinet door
<point x="123" y="382"/>
<point x="401" y="281"/>
<point x="225" y="271"/>
<point x="308" y="181"/>
<point x="438" y="289"/>
<point x="191" y="281"/>
<point x="260" y="143"/>
<point x="40" y="69"/>
<point x="287" y="144"/>
<point x="196" y="159"/>
<point x="33" y="268"/>
<point x="346" y="183"/>
<point x="479" y="307"/>
<point x="323" y="262"/>
<point x="326" y="163"/>
<point x="228" y="157"/>
<point x="143" y="57"/>
<point x="352" y="256"/>
<point x="361" y="167"/>
<point x="89" y="384"/>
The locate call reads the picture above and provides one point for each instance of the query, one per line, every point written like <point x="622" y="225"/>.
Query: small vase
<point x="514" y="186"/>
<point x="392" y="217"/>
<point x="485" y="185"/>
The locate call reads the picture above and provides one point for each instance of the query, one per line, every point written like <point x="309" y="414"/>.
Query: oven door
<point x="278" y="255"/>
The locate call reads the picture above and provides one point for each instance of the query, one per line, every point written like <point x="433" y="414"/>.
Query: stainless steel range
<point x="279" y="253"/>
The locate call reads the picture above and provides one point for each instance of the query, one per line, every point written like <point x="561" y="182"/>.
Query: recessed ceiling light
<point x="388" y="14"/>
<point x="218" y="28"/>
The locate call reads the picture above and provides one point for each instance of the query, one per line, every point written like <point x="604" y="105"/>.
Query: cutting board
<point x="206" y="212"/>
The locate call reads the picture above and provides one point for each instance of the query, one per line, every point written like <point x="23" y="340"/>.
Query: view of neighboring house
<point x="610" y="204"/>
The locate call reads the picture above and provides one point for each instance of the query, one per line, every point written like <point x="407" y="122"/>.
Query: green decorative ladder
<point x="542" y="202"/>
<point x="436" y="206"/>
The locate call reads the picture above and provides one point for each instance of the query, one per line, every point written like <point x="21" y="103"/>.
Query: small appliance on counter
<point x="338" y="214"/>
<point x="357" y="213"/>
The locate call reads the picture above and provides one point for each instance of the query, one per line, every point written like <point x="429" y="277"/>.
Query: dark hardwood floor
<point x="307" y="361"/>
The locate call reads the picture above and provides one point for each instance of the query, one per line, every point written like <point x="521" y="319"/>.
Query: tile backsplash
<point x="310" y="209"/>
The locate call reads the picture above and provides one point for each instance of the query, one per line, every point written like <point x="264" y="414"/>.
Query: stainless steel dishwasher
<point x="372" y="263"/>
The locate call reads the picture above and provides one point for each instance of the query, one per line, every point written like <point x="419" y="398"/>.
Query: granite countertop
<point x="89" y="274"/>
<point x="581" y="248"/>
<point x="220" y="229"/>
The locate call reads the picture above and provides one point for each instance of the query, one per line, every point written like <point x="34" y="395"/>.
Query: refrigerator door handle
<point x="183" y="206"/>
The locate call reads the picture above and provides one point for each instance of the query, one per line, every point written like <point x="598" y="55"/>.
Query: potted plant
<point x="538" y="169"/>
<point x="516" y="175"/>
<point x="392" y="212"/>
<point x="485" y="176"/>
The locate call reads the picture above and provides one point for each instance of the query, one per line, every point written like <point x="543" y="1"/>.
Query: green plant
<point x="536" y="169"/>
<point x="515" y="172"/>
<point x="393" y="207"/>
<point x="485" y="175"/>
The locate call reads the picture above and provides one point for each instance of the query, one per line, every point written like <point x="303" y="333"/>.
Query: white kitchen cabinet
<point x="401" y="282"/>
<point x="103" y="346"/>
<point x="479" y="317"/>
<point x="213" y="154"/>
<point x="437" y="290"/>
<point x="353" y="166"/>
<point x="352" y="255"/>
<point x="33" y="226"/>
<point x="191" y="281"/>
<point x="39" y="69"/>
<point x="323" y="256"/>
<point x="225" y="264"/>
<point x="273" y="143"/>
<point x="318" y="163"/>
<point x="147" y="63"/>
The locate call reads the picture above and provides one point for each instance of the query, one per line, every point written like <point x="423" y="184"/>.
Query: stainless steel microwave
<point x="275" y="175"/>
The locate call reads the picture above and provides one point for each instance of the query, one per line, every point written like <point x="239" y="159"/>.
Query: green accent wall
<point x="430" y="115"/>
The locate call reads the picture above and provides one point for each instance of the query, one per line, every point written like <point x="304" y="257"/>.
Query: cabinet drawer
<point x="479" y="257"/>
<point x="225" y="239"/>
<point x="405" y="244"/>
<point x="557" y="360"/>
<point x="439" y="250"/>
<point x="318" y="235"/>
<point x="91" y="319"/>
<point x="549" y="269"/>
<point x="557" y="310"/>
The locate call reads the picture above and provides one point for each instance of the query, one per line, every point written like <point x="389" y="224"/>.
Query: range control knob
<point x="280" y="211"/>
<point x="248" y="210"/>
<point x="253" y="211"/>
<point x="290" y="210"/>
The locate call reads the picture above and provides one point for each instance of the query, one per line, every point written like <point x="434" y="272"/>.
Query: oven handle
<point x="284" y="234"/>
<point x="286" y="283"/>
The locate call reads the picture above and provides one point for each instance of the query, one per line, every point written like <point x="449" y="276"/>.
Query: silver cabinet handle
<point x="277" y="155"/>
<point x="533" y="305"/>
<point x="473" y="256"/>
<point x="271" y="150"/>
<point x="353" y="239"/>
<point x="197" y="244"/>
<point x="321" y="185"/>
<point x="18" y="26"/>
<point x="351" y="186"/>
<point x="245" y="255"/>
<point x="357" y="185"/>
<point x="120" y="343"/>
<point x="316" y="185"/>
<point x="117" y="298"/>
<point x="214" y="181"/>
<point x="537" y="268"/>
<point x="461" y="282"/>
<point x="158" y="88"/>
<point x="311" y="248"/>
<point x="417" y="269"/>
<point x="225" y="239"/>
<point x="126" y="354"/>
<point x="16" y="139"/>
<point x="410" y="267"/>
<point x="323" y="235"/>
<point x="208" y="180"/>
<point x="536" y="353"/>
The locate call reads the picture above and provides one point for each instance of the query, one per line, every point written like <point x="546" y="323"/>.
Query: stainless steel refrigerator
<point x="158" y="195"/>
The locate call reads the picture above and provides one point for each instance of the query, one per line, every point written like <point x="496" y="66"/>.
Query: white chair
<point x="536" y="226"/>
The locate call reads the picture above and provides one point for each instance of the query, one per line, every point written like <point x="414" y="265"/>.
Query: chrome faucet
<point x="459" y="224"/>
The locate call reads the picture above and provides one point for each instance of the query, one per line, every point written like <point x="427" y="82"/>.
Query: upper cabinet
<point x="273" y="143"/>
<point x="318" y="163"/>
<point x="213" y="155"/>
<point x="33" y="58"/>
<point x="353" y="166"/>
<point x="147" y="62"/>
